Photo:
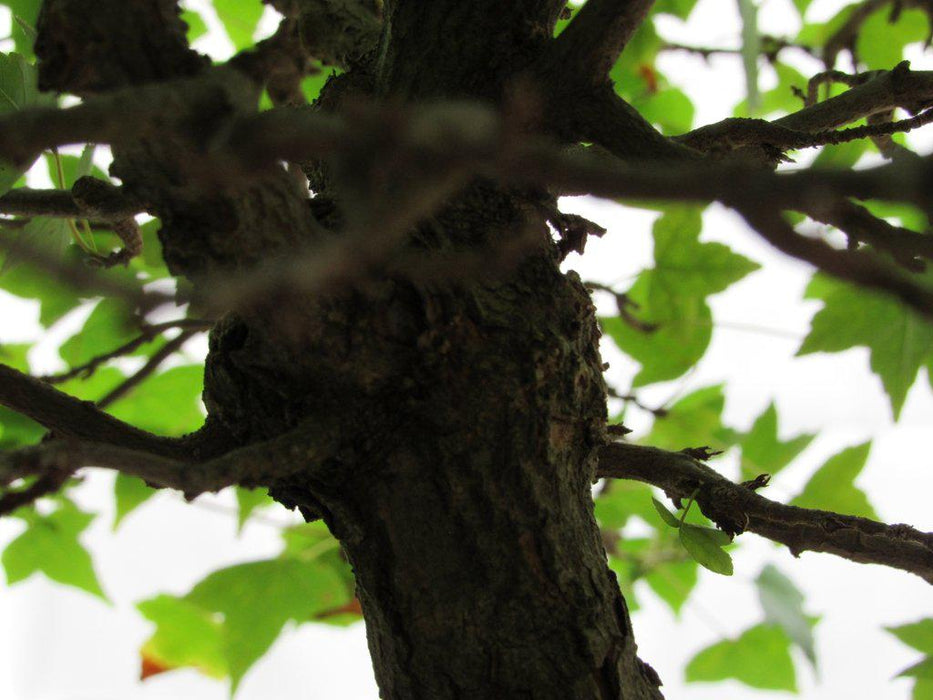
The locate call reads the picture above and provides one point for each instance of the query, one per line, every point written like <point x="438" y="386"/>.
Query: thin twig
<point x="149" y="333"/>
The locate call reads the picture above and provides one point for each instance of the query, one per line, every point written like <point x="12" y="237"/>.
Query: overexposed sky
<point x="60" y="644"/>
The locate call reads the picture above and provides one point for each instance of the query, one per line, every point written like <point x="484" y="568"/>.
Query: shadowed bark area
<point x="466" y="413"/>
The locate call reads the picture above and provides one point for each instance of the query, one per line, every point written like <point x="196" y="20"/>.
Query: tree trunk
<point x="468" y="407"/>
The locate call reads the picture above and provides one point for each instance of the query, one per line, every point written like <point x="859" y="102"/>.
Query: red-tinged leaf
<point x="150" y="666"/>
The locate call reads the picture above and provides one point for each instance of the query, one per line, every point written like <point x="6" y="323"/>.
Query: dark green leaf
<point x="759" y="658"/>
<point x="665" y="514"/>
<point x="832" y="486"/>
<point x="706" y="546"/>
<point x="783" y="605"/>
<point x="899" y="339"/>
<point x="50" y="545"/>
<point x="763" y="452"/>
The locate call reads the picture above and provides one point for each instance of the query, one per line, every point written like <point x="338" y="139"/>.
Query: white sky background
<point x="60" y="644"/>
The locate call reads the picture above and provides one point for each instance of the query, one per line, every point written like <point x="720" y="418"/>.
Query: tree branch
<point x="148" y="334"/>
<point x="860" y="225"/>
<point x="887" y="90"/>
<point x="850" y="265"/>
<point x="871" y="95"/>
<point x="604" y="118"/>
<point x="305" y="449"/>
<point x="69" y="417"/>
<point x="99" y="200"/>
<point x="736" y="509"/>
<point x="590" y="46"/>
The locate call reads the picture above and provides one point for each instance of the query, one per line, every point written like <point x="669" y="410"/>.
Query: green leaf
<point x="74" y="167"/>
<point x="763" y="451"/>
<point x="922" y="669"/>
<point x="780" y="99"/>
<point x="17" y="430"/>
<point x="693" y="421"/>
<point x="672" y="296"/>
<point x="759" y="658"/>
<point x="258" y="598"/>
<point x="673" y="582"/>
<point x="50" y="545"/>
<point x="25" y="281"/>
<point x="186" y="635"/>
<point x="832" y="488"/>
<point x="899" y="339"/>
<point x="918" y="635"/>
<point x="667" y="108"/>
<point x="240" y="19"/>
<point x="783" y="606"/>
<point x="705" y="545"/>
<point x="622" y="500"/>
<point x="150" y="263"/>
<point x="196" y="25"/>
<point x="105" y="330"/>
<point x="14" y="355"/>
<point x="129" y="493"/>
<point x="842" y="156"/>
<point x="802" y="6"/>
<point x="678" y="8"/>
<point x="18" y="90"/>
<point x="95" y="387"/>
<point x="249" y="500"/>
<point x="167" y="404"/>
<point x="665" y="514"/>
<point x="907" y="215"/>
<point x="880" y="44"/>
<point x="41" y="233"/>
<point x="28" y="12"/>
<point x="923" y="689"/>
<point x="626" y="574"/>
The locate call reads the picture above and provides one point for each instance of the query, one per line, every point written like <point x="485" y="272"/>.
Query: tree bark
<point x="467" y="412"/>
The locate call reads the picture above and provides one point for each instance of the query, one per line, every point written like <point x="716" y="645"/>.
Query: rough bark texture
<point x="467" y="413"/>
